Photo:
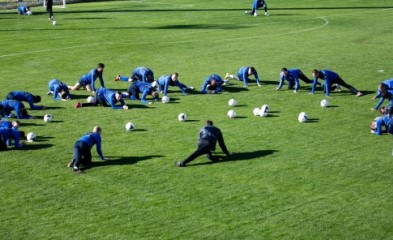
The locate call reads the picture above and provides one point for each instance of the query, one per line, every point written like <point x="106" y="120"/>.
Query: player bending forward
<point x="258" y="4"/>
<point x="208" y="137"/>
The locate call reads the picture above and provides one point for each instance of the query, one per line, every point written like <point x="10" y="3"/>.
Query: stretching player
<point x="292" y="76"/>
<point x="164" y="82"/>
<point x="59" y="90"/>
<point x="23" y="10"/>
<point x="88" y="80"/>
<point x="258" y="4"/>
<point x="243" y="74"/>
<point x="105" y="97"/>
<point x="379" y="122"/>
<point x="7" y="134"/>
<point x="385" y="91"/>
<point x="23" y="96"/>
<point x="82" y="149"/>
<point x="208" y="137"/>
<point x="143" y="74"/>
<point x="145" y="89"/>
<point x="7" y="124"/>
<point x="331" y="78"/>
<point x="212" y="84"/>
<point x="7" y="106"/>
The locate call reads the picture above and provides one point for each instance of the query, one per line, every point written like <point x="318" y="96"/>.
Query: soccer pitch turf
<point x="325" y="179"/>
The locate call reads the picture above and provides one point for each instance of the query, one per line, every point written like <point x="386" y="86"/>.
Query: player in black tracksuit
<point x="208" y="137"/>
<point x="49" y="4"/>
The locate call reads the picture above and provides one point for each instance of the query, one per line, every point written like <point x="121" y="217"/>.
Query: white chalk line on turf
<point x="324" y="18"/>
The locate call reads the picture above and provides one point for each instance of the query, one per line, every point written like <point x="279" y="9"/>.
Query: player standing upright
<point x="49" y="5"/>
<point x="258" y="4"/>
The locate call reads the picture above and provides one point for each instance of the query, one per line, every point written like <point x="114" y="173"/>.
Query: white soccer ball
<point x="54" y="23"/>
<point x="256" y="111"/>
<point x="324" y="103"/>
<point x="29" y="13"/>
<point x="182" y="117"/>
<point x="165" y="99"/>
<point x="130" y="126"/>
<point x="232" y="102"/>
<point x="31" y="137"/>
<point x="48" y="118"/>
<point x="302" y="117"/>
<point x="91" y="99"/>
<point x="264" y="111"/>
<point x="231" y="114"/>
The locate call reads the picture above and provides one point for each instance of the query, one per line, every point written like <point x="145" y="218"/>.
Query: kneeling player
<point x="292" y="76"/>
<point x="82" y="149"/>
<point x="208" y="137"/>
<point x="87" y="81"/>
<point x="23" y="96"/>
<point x="164" y="82"/>
<point x="59" y="90"/>
<point x="212" y="84"/>
<point x="243" y="74"/>
<point x="331" y="78"/>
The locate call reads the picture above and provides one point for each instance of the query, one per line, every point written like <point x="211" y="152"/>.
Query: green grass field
<point x="326" y="179"/>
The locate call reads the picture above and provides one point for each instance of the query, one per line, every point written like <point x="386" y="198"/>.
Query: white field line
<point x="324" y="18"/>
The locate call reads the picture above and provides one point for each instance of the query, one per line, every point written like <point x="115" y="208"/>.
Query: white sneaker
<point x="266" y="14"/>
<point x="226" y="76"/>
<point x="338" y="87"/>
<point x="255" y="14"/>
<point x="190" y="88"/>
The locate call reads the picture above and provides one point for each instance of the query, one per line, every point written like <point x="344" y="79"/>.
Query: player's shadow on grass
<point x="237" y="157"/>
<point x="312" y="120"/>
<point x="36" y="146"/>
<point x="29" y="124"/>
<point x="119" y="161"/>
<point x="43" y="139"/>
<point x="76" y="97"/>
<point x="234" y="89"/>
<point x="200" y="26"/>
<point x="269" y="82"/>
<point x="50" y="108"/>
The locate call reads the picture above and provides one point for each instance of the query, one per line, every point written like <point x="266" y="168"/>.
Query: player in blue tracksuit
<point x="379" y="122"/>
<point x="292" y="76"/>
<point x="7" y="124"/>
<point x="212" y="84"/>
<point x="23" y="96"/>
<point x="164" y="82"/>
<point x="88" y="80"/>
<point x="145" y="89"/>
<point x="258" y="4"/>
<point x="143" y="74"/>
<point x="105" y="96"/>
<point x="59" y="90"/>
<point x="7" y="106"/>
<point x="385" y="91"/>
<point x="243" y="74"/>
<point x="331" y="78"/>
<point x="22" y="10"/>
<point x="208" y="138"/>
<point x="7" y="134"/>
<point x="82" y="149"/>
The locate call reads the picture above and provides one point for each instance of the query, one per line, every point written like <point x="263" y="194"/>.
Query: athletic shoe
<point x="266" y="14"/>
<point x="190" y="88"/>
<point x="226" y="76"/>
<point x="225" y="82"/>
<point x="359" y="94"/>
<point x="77" y="170"/>
<point x="117" y="78"/>
<point x="78" y="105"/>
<point x="338" y="87"/>
<point x="180" y="164"/>
<point x="70" y="163"/>
<point x="49" y="93"/>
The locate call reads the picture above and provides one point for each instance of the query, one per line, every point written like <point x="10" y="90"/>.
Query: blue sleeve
<point x="31" y="104"/>
<point x="282" y="78"/>
<point x="256" y="76"/>
<point x="123" y="78"/>
<point x="296" y="79"/>
<point x="92" y="82"/>
<point x="204" y="86"/>
<point x="166" y="84"/>
<point x="181" y="87"/>
<point x="102" y="81"/>
<point x="56" y="92"/>
<point x="245" y="77"/>
<point x="219" y="88"/>
<point x="379" y="94"/>
<point x="144" y="77"/>
<point x="314" y="84"/>
<point x="17" y="111"/>
<point x="144" y="94"/>
<point x="98" y="146"/>
<point x="327" y="86"/>
<point x="379" y="103"/>
<point x="378" y="131"/>
<point x="15" y="135"/>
